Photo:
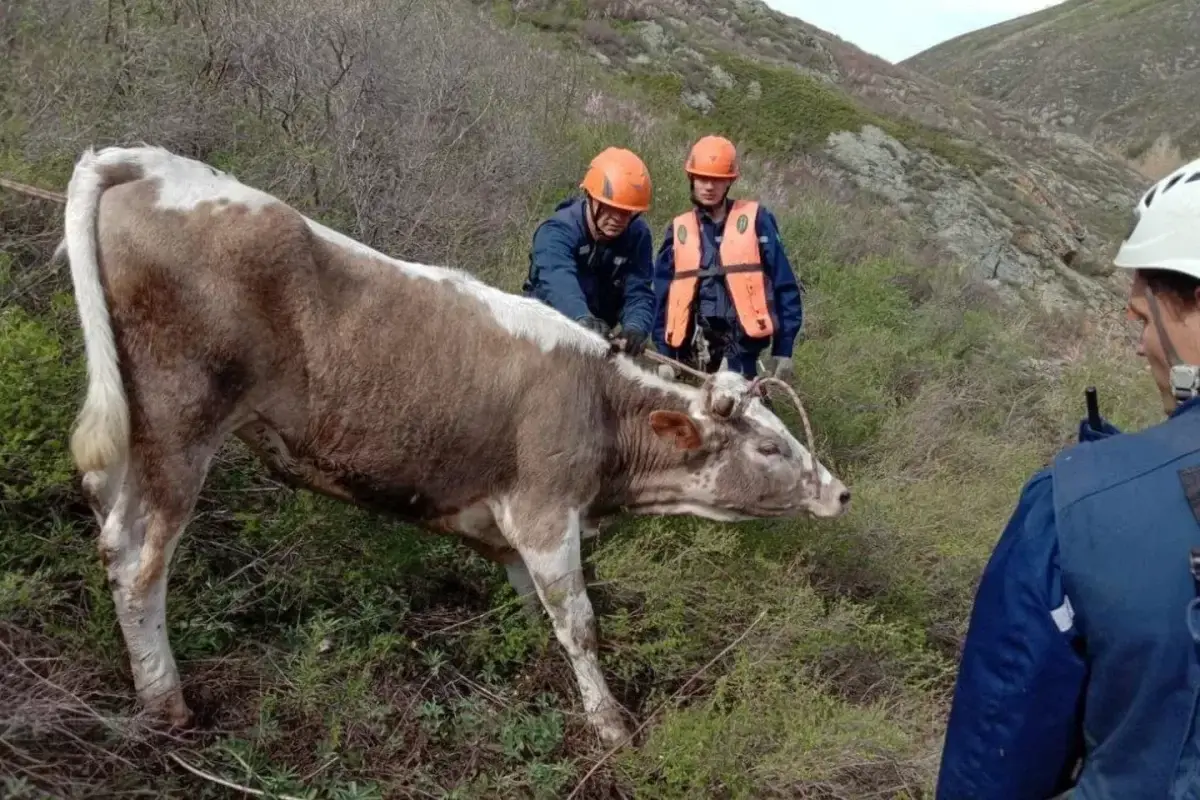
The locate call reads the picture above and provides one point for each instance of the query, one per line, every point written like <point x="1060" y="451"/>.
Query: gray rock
<point x="876" y="159"/>
<point x="652" y="34"/>
<point x="722" y="78"/>
<point x="966" y="216"/>
<point x="697" y="100"/>
<point x="688" y="53"/>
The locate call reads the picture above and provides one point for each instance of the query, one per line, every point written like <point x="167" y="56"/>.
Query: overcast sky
<point x="897" y="29"/>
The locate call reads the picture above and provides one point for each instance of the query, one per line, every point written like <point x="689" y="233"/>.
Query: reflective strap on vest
<point x="740" y="263"/>
<point x="717" y="270"/>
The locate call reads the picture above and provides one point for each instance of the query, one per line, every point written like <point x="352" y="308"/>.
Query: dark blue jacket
<point x="571" y="273"/>
<point x="712" y="296"/>
<point x="1079" y="644"/>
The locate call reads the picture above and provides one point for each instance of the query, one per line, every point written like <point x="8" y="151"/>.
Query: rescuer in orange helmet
<point x="592" y="260"/>
<point x="723" y="284"/>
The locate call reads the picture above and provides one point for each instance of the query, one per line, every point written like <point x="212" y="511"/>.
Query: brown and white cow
<point x="212" y="309"/>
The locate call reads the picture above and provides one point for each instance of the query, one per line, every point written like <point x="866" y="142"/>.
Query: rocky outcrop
<point x="966" y="215"/>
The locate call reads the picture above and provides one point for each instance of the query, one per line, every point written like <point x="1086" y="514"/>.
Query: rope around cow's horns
<point x="56" y="197"/>
<point x="754" y="384"/>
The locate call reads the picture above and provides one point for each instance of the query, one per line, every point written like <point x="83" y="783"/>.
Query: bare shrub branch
<point x="417" y="128"/>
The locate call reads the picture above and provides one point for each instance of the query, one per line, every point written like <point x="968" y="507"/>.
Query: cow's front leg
<point x="549" y="546"/>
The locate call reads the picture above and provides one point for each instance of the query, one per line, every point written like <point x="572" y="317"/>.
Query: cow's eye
<point x="769" y="449"/>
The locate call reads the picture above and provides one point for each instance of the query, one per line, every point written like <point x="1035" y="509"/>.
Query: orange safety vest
<point x="739" y="261"/>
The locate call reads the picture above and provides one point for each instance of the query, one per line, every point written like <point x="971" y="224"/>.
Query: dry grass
<point x="59" y="730"/>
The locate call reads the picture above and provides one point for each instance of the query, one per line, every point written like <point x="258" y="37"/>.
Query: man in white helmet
<point x="1080" y="675"/>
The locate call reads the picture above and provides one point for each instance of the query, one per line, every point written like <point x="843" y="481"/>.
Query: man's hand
<point x="634" y="341"/>
<point x="779" y="367"/>
<point x="594" y="324"/>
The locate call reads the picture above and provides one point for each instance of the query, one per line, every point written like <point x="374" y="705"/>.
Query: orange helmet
<point x="712" y="157"/>
<point x="618" y="178"/>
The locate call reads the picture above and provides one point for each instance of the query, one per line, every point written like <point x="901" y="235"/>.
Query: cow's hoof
<point x="609" y="725"/>
<point x="180" y="716"/>
<point x="173" y="710"/>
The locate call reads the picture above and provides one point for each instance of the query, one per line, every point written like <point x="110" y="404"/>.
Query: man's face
<point x="710" y="191"/>
<point x="1181" y="325"/>
<point x="611" y="222"/>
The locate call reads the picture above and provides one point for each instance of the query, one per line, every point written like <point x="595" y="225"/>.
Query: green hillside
<point x="331" y="653"/>
<point x="1122" y="72"/>
<point x="1030" y="210"/>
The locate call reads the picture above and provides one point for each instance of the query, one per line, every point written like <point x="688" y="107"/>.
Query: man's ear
<point x="676" y="426"/>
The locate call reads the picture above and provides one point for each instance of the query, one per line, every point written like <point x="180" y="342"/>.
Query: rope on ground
<point x="33" y="191"/>
<point x="222" y="782"/>
<point x="754" y="384"/>
<point x="674" y="695"/>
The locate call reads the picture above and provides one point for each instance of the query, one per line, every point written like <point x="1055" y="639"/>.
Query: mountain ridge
<point x="1122" y="73"/>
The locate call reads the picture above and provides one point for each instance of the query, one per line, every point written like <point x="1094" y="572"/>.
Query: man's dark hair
<point x="1169" y="282"/>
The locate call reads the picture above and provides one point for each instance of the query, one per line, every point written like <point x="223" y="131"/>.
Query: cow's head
<point x="739" y="459"/>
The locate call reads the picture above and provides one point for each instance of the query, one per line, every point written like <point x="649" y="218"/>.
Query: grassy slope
<point x="1123" y="71"/>
<point x="329" y="649"/>
<point x="1035" y="209"/>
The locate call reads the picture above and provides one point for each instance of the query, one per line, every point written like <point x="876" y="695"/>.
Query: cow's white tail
<point x="101" y="434"/>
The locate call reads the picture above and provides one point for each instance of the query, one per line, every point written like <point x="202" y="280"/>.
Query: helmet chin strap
<point x="1185" y="378"/>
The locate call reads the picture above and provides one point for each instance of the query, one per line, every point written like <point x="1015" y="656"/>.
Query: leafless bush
<point x="413" y="126"/>
<point x="628" y="10"/>
<point x="600" y="33"/>
<point x="57" y="731"/>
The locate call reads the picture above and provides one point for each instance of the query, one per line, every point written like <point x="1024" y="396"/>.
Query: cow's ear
<point x="677" y="427"/>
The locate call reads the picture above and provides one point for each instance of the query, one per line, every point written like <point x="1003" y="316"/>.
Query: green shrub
<point x="38" y="399"/>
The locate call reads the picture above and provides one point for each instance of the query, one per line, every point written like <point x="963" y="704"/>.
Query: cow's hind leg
<point x="518" y="574"/>
<point x="522" y="583"/>
<point x="100" y="488"/>
<point x="549" y="544"/>
<point x="140" y="533"/>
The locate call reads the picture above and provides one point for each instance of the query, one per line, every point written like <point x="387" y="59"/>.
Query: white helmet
<point x="1166" y="229"/>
